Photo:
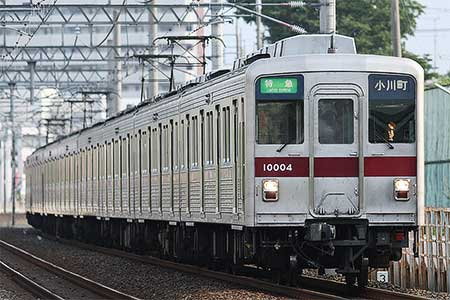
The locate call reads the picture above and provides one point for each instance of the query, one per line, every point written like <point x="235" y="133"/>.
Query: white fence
<point x="429" y="271"/>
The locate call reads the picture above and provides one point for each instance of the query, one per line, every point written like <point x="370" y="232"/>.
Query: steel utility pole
<point x="12" y="85"/>
<point x="238" y="40"/>
<point x="395" y="28"/>
<point x="2" y="145"/>
<point x="217" y="31"/>
<point x="327" y="16"/>
<point x="118" y="65"/>
<point x="259" y="27"/>
<point x="5" y="141"/>
<point x="153" y="87"/>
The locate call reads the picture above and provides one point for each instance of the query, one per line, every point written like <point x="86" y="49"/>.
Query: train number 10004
<point x="277" y="167"/>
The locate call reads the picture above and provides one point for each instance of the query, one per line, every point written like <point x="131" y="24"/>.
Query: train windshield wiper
<point x="390" y="146"/>
<point x="282" y="147"/>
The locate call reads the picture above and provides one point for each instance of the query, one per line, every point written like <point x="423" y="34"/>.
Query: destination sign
<point x="276" y="85"/>
<point x="289" y="87"/>
<point x="396" y="87"/>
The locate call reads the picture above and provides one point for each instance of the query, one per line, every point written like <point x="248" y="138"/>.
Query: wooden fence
<point x="429" y="271"/>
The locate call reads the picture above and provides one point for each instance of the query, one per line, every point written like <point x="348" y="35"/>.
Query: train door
<point x="335" y="167"/>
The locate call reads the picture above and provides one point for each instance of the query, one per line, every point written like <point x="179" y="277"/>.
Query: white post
<point x="238" y="39"/>
<point x="5" y="142"/>
<point x="153" y="87"/>
<point x="259" y="27"/>
<point x="395" y="28"/>
<point x="13" y="153"/>
<point x="328" y="16"/>
<point x="118" y="66"/>
<point x="217" y="31"/>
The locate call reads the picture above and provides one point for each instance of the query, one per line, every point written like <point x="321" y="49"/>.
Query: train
<point x="303" y="155"/>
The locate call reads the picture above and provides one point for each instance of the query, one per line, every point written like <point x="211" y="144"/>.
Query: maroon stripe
<point x="281" y="167"/>
<point x="336" y="167"/>
<point x="390" y="166"/>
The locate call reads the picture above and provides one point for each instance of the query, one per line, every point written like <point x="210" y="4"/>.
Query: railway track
<point x="340" y="288"/>
<point x="28" y="284"/>
<point x="312" y="288"/>
<point x="94" y="289"/>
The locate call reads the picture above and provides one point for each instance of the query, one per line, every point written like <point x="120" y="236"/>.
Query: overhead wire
<point x="112" y="27"/>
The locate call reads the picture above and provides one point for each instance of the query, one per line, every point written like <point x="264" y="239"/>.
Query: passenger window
<point x="226" y="128"/>
<point x="336" y="121"/>
<point x="182" y="145"/>
<point x="144" y="151"/>
<point x="175" y="146"/>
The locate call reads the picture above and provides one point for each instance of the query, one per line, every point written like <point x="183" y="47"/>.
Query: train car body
<point x="296" y="158"/>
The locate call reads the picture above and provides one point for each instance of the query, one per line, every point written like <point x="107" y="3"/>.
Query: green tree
<point x="368" y="21"/>
<point x="425" y="62"/>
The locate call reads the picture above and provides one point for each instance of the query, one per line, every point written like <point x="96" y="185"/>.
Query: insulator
<point x="296" y="4"/>
<point x="298" y="29"/>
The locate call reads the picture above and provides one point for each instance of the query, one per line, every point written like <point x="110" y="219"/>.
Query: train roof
<point x="292" y="46"/>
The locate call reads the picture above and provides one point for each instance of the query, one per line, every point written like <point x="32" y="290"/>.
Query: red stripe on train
<point x="390" y="166"/>
<point x="336" y="167"/>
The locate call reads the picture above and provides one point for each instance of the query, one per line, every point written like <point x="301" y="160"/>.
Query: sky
<point x="427" y="40"/>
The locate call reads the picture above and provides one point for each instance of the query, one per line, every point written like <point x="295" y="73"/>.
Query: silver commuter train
<point x="299" y="157"/>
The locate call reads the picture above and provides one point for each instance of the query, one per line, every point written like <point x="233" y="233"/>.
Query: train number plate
<point x="281" y="167"/>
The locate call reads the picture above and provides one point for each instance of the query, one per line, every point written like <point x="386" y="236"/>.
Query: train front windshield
<point x="280" y="121"/>
<point x="392" y="120"/>
<point x="392" y="109"/>
<point x="280" y="110"/>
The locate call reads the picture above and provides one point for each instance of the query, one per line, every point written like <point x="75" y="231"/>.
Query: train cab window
<point x="392" y="121"/>
<point x="280" y="121"/>
<point x="336" y="124"/>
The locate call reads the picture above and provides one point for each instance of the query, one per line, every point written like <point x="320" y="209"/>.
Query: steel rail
<point x="95" y="287"/>
<point x="329" y="289"/>
<point x="247" y="282"/>
<point x="365" y="293"/>
<point x="28" y="284"/>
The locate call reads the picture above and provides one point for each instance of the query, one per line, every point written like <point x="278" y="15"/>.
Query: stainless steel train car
<point x="304" y="155"/>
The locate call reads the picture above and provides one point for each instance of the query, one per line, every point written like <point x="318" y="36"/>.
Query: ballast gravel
<point x="9" y="290"/>
<point x="140" y="280"/>
<point x="386" y="286"/>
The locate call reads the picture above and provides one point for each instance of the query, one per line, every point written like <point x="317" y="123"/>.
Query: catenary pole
<point x="327" y="16"/>
<point x="259" y="27"/>
<point x="395" y="28"/>
<point x="118" y="65"/>
<point x="153" y="87"/>
<point x="5" y="141"/>
<point x="12" y="85"/>
<point x="2" y="145"/>
<point x="217" y="31"/>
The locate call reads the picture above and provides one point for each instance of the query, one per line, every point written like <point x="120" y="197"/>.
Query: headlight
<point x="270" y="189"/>
<point x="401" y="189"/>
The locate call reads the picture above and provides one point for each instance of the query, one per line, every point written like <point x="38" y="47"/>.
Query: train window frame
<point x="194" y="141"/>
<point x="183" y="145"/>
<point x="226" y="134"/>
<point x="144" y="152"/>
<point x="175" y="146"/>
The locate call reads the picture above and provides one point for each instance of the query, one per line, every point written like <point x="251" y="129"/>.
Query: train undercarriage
<point x="349" y="246"/>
